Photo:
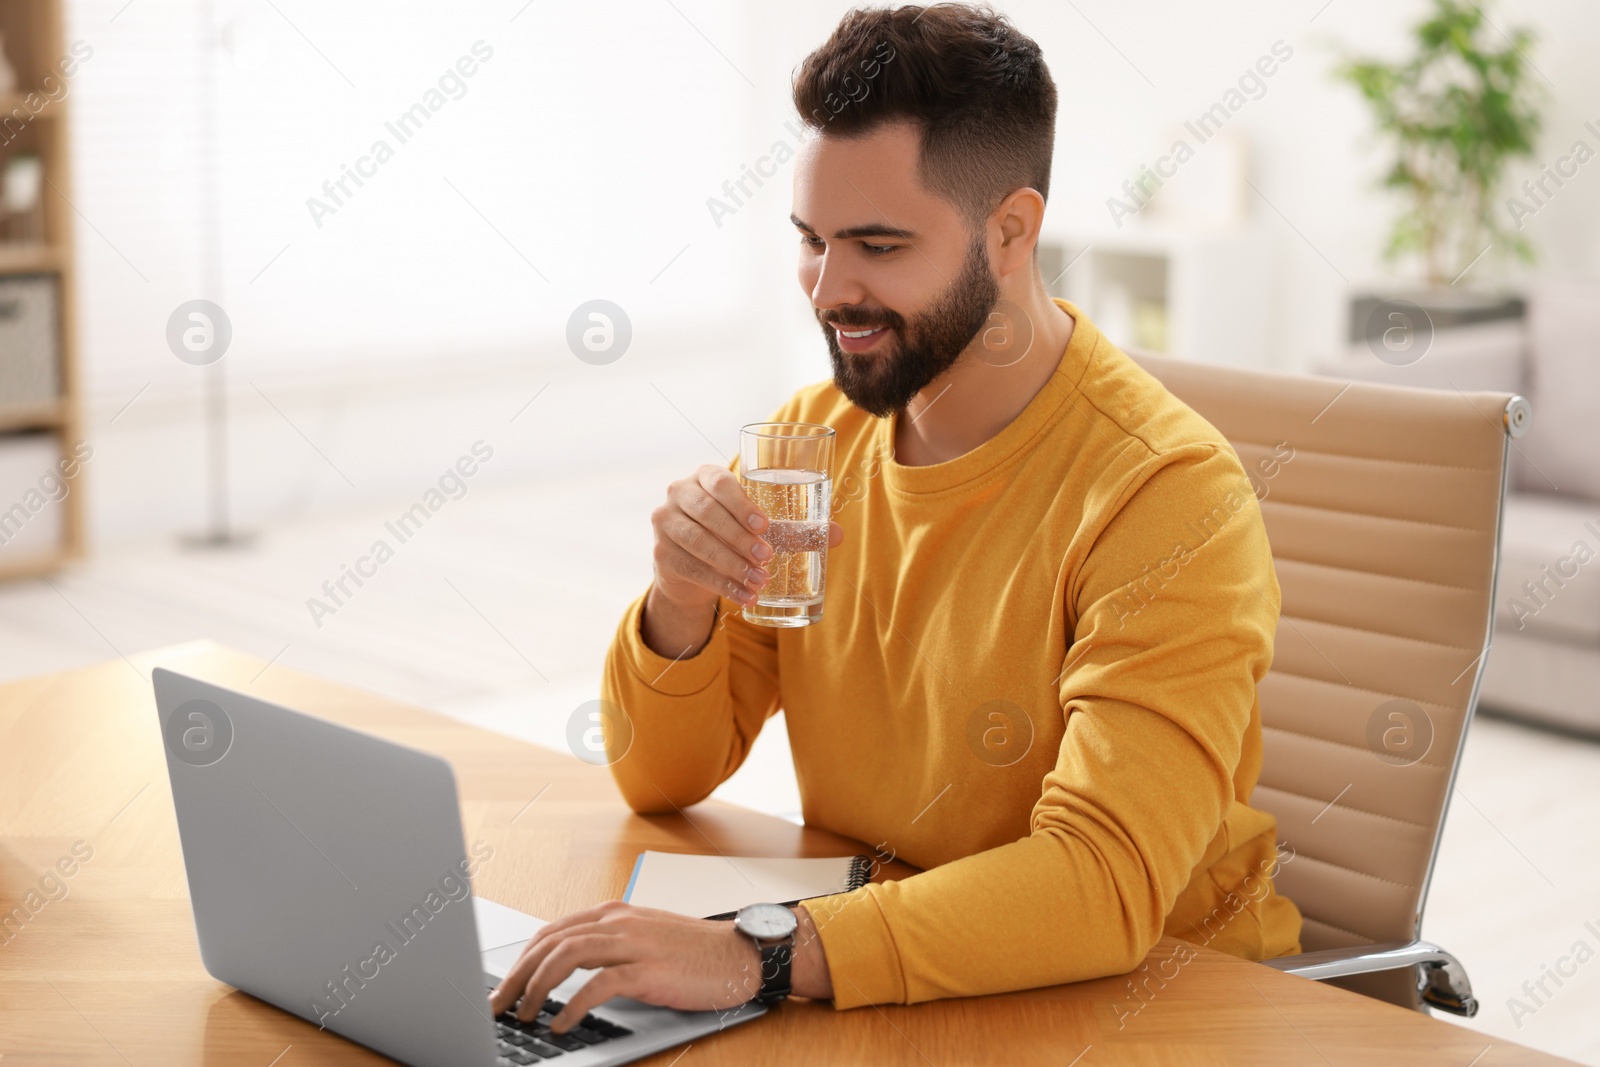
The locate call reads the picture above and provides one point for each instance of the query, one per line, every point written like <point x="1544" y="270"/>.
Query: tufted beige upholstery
<point x="1382" y="505"/>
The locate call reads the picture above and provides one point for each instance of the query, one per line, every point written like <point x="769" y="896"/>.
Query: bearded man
<point x="1048" y="603"/>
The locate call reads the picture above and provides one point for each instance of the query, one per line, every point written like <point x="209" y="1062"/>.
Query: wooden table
<point x="108" y="972"/>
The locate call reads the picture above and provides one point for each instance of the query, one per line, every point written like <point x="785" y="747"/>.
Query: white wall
<point x="592" y="140"/>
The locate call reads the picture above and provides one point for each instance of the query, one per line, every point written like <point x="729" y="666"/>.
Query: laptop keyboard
<point x="533" y="1041"/>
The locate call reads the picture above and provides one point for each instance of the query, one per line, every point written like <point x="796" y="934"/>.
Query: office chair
<point x="1382" y="505"/>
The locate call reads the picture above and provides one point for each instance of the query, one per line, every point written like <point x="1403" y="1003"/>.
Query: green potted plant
<point x="1455" y="113"/>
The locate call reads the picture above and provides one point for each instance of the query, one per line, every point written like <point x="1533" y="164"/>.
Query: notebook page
<point x="709" y="885"/>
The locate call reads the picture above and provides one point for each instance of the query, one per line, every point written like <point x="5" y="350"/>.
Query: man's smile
<point x="859" y="340"/>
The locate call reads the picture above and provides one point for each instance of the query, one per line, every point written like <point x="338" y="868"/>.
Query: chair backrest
<point x="1382" y="505"/>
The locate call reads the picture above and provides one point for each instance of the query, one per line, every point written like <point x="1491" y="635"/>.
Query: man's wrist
<point x="747" y="980"/>
<point x="808" y="967"/>
<point x="675" y="630"/>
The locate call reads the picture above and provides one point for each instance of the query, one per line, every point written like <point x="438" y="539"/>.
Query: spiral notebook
<point x="716" y="886"/>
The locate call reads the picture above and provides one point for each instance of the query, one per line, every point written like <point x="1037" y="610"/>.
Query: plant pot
<point x="1446" y="307"/>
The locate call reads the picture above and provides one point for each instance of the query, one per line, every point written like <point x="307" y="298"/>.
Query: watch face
<point x="766" y="922"/>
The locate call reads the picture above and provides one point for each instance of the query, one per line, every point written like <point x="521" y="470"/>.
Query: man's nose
<point x="834" y="287"/>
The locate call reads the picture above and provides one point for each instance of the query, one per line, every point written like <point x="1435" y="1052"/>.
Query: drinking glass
<point x="786" y="469"/>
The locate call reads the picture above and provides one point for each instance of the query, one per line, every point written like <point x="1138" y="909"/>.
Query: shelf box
<point x="32" y="499"/>
<point x="30" y="338"/>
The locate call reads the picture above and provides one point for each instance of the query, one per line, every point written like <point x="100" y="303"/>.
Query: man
<point x="1049" y="595"/>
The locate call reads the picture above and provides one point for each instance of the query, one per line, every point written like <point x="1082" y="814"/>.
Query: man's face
<point x="898" y="279"/>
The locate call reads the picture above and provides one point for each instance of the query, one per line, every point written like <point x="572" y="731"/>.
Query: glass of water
<point x="786" y="469"/>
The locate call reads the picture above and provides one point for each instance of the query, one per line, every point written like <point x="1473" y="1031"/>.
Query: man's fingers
<point x="706" y="547"/>
<point x="835" y="535"/>
<point x="577" y="950"/>
<point x="722" y="484"/>
<point x="611" y="982"/>
<point x="674" y="562"/>
<point x="511" y="986"/>
<point x="720" y="505"/>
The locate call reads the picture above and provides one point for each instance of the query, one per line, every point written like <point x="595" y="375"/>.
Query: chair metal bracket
<point x="1441" y="979"/>
<point x="1518" y="416"/>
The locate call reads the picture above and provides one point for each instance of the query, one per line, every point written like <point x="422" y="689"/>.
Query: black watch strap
<point x="776" y="959"/>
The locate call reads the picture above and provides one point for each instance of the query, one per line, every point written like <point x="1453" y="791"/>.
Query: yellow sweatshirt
<point x="1035" y="678"/>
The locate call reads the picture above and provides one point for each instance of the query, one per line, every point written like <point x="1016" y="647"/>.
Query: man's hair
<point x="976" y="87"/>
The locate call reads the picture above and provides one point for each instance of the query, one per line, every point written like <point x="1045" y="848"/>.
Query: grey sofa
<point x="1544" y="662"/>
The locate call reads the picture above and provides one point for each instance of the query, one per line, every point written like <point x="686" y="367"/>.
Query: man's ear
<point x="1015" y="225"/>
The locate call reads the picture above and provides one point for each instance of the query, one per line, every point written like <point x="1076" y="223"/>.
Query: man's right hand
<point x="708" y="545"/>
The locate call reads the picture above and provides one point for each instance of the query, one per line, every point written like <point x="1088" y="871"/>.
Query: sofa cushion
<point x="1548" y="584"/>
<point x="1547" y="681"/>
<point x="1557" y="455"/>
<point x="1488" y="357"/>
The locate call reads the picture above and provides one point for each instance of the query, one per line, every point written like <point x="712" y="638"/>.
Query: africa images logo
<point x="199" y="732"/>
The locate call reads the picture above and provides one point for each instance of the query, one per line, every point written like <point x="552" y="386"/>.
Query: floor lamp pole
<point x="219" y="531"/>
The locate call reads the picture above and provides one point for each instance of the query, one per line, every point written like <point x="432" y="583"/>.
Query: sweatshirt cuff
<point x="662" y="674"/>
<point x="863" y="963"/>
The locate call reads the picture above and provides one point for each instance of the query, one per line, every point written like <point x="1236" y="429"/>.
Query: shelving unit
<point x="33" y="428"/>
<point x="1205" y="295"/>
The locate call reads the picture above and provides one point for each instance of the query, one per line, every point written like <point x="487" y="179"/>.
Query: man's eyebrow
<point x="870" y="229"/>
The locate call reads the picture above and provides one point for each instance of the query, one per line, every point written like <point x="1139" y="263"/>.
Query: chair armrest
<point x="1442" y="980"/>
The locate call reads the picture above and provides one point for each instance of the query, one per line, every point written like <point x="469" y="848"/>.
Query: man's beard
<point x="920" y="350"/>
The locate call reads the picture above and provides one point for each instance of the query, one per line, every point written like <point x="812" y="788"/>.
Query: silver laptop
<point x="329" y="877"/>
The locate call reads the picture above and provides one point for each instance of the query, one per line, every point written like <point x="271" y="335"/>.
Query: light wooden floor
<point x="499" y="611"/>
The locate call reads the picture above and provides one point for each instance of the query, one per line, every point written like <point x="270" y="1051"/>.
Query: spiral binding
<point x="860" y="872"/>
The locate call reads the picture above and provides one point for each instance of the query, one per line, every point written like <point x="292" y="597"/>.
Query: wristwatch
<point x="771" y="927"/>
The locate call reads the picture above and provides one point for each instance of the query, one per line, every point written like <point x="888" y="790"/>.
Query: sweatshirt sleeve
<point x="686" y="724"/>
<point x="1175" y="607"/>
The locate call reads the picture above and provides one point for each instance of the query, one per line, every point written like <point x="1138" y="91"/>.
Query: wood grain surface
<point x="102" y="968"/>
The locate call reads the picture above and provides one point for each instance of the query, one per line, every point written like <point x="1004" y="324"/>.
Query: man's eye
<point x="810" y="241"/>
<point x="879" y="250"/>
